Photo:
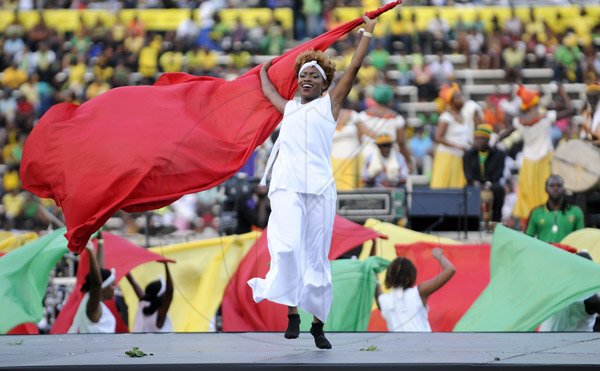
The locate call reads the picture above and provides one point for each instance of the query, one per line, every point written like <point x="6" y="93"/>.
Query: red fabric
<point x="142" y="147"/>
<point x="567" y="248"/>
<point x="121" y="326"/>
<point x="241" y="313"/>
<point x="119" y="254"/>
<point x="24" y="329"/>
<point x="448" y="304"/>
<point x="376" y="322"/>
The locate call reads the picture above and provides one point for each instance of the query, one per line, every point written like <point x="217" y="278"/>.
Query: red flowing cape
<point x="140" y="148"/>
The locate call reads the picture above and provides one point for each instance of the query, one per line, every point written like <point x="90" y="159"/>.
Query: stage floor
<point x="268" y="350"/>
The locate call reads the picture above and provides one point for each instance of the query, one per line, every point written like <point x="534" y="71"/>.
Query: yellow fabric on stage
<point x="10" y="241"/>
<point x="396" y="235"/>
<point x="531" y="191"/>
<point x="202" y="272"/>
<point x="447" y="171"/>
<point x="585" y="239"/>
<point x="346" y="172"/>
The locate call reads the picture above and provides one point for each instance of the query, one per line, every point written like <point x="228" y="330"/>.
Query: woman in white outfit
<point x="404" y="308"/>
<point x="155" y="300"/>
<point x="302" y="190"/>
<point x="92" y="315"/>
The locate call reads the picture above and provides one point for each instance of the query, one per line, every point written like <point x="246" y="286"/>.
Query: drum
<point x="578" y="162"/>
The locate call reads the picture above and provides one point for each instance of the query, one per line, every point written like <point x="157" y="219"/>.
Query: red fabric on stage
<point x="119" y="254"/>
<point x="24" y="329"/>
<point x="447" y="305"/>
<point x="142" y="147"/>
<point x="241" y="313"/>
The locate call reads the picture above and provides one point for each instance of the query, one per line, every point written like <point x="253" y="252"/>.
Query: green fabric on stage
<point x="354" y="283"/>
<point x="529" y="281"/>
<point x="24" y="275"/>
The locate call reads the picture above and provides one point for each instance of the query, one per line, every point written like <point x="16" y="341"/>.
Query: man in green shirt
<point x="556" y="219"/>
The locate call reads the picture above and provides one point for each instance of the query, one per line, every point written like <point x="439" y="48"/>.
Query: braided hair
<point x="401" y="273"/>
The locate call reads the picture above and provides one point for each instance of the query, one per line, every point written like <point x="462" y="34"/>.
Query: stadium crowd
<point x="41" y="66"/>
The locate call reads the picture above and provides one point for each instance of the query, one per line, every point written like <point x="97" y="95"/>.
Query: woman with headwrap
<point x="380" y="119"/>
<point x="535" y="125"/>
<point x="154" y="304"/>
<point x="92" y="315"/>
<point x="453" y="135"/>
<point x="302" y="189"/>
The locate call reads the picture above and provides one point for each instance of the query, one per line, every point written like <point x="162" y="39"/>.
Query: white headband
<point x="315" y="65"/>
<point x="163" y="287"/>
<point x="110" y="279"/>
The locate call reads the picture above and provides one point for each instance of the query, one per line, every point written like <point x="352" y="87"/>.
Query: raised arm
<point x="167" y="298"/>
<point x="93" y="309"/>
<point x="269" y="90"/>
<point x="343" y="87"/>
<point x="430" y="286"/>
<point x="567" y="111"/>
<point x="136" y="287"/>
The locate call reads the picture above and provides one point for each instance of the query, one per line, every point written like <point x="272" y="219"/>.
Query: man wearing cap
<point x="385" y="167"/>
<point x="484" y="165"/>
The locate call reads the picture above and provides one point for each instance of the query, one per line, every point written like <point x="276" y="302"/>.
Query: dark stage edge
<point x="235" y="351"/>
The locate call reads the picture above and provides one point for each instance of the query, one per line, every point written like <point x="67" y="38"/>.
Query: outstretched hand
<point x="369" y="23"/>
<point x="437" y="253"/>
<point x="267" y="65"/>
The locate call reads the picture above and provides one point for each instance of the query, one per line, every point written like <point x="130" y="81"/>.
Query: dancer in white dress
<point x="92" y="315"/>
<point x="302" y="189"/>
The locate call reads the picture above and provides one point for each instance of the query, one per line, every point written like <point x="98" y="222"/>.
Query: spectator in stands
<point x="92" y="315"/>
<point x="381" y="119"/>
<point x="535" y="126"/>
<point x="513" y="26"/>
<point x="556" y="219"/>
<point x="13" y="204"/>
<point x="590" y="128"/>
<point x="484" y="166"/>
<point x="187" y="31"/>
<point x="385" y="167"/>
<point x="154" y="302"/>
<point x="567" y="57"/>
<point x="421" y="148"/>
<point x="405" y="308"/>
<point x="312" y="10"/>
<point x="513" y="58"/>
<point x="453" y="136"/>
<point x="437" y="32"/>
<point x="442" y="70"/>
<point x="579" y="316"/>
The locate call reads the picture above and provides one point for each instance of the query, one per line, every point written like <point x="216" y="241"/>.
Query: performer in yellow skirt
<point x="535" y="124"/>
<point x="347" y="147"/>
<point x="453" y="135"/>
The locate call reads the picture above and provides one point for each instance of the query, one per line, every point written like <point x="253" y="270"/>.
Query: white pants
<point x="299" y="237"/>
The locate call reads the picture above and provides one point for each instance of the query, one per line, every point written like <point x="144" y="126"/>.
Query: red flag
<point x="241" y="313"/>
<point x="447" y="305"/>
<point x="142" y="147"/>
<point x="119" y="254"/>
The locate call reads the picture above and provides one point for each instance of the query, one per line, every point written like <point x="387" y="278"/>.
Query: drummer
<point x="590" y="129"/>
